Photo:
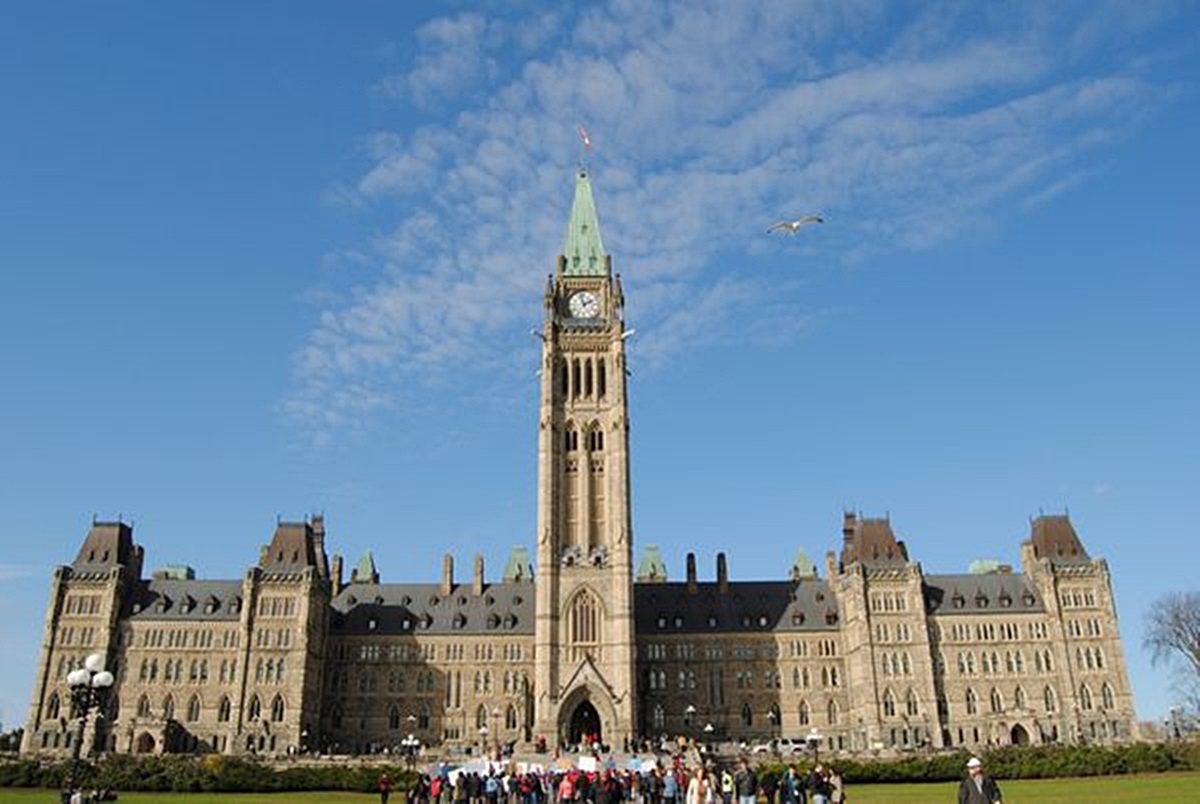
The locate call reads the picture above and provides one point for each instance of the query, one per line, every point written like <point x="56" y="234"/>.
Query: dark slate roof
<point x="186" y="600"/>
<point x="420" y="608"/>
<point x="992" y="593"/>
<point x="747" y="607"/>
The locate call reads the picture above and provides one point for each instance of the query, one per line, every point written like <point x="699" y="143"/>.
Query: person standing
<point x="791" y="788"/>
<point x="837" y="788"/>
<point x="769" y="784"/>
<point x="745" y="783"/>
<point x="726" y="787"/>
<point x="818" y="785"/>
<point x="670" y="787"/>
<point x="698" y="790"/>
<point x="978" y="787"/>
<point x="384" y="785"/>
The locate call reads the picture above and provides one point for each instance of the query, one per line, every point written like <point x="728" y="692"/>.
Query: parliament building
<point x="865" y="653"/>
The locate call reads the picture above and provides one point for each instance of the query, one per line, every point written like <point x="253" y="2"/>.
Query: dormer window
<point x="981" y="600"/>
<point x="712" y="621"/>
<point x="831" y="617"/>
<point x="460" y="621"/>
<point x="678" y="621"/>
<point x="371" y="624"/>
<point x="1028" y="599"/>
<point x="662" y="621"/>
<point x="762" y="621"/>
<point x="798" y="618"/>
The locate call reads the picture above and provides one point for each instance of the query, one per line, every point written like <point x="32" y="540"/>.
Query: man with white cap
<point x="978" y="788"/>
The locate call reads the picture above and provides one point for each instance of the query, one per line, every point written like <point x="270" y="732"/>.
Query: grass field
<point x="1096" y="790"/>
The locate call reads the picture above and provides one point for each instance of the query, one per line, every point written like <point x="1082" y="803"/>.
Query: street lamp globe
<point x="94" y="663"/>
<point x="102" y="680"/>
<point x="79" y="678"/>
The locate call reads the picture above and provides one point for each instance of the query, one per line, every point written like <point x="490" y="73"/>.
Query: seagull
<point x="791" y="227"/>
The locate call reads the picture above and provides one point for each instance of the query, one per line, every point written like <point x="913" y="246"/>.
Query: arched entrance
<point x="145" y="743"/>
<point x="584" y="723"/>
<point x="1019" y="735"/>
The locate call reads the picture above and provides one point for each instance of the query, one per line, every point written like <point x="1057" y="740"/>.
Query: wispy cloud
<point x="710" y="119"/>
<point x="16" y="572"/>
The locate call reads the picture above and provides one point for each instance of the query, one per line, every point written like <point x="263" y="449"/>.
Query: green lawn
<point x="1096" y="790"/>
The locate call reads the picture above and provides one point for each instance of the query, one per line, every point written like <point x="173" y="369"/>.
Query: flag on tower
<point x="587" y="140"/>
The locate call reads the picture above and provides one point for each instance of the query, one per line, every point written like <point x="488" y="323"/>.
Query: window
<point x="143" y="707"/>
<point x="1106" y="696"/>
<point x="193" y="709"/>
<point x="224" y="710"/>
<point x="255" y="708"/>
<point x="481" y="717"/>
<point x="833" y="713"/>
<point x="168" y="708"/>
<point x="1051" y="700"/>
<point x="1019" y="698"/>
<point x="423" y="718"/>
<point x="584" y="624"/>
<point x="277" y="709"/>
<point x="53" y="706"/>
<point x="972" y="703"/>
<point x="510" y="718"/>
<point x="747" y="715"/>
<point x="997" y="701"/>
<point x="658" y="717"/>
<point x="803" y="713"/>
<point x="911" y="707"/>
<point x="1085" y="698"/>
<point x="889" y="704"/>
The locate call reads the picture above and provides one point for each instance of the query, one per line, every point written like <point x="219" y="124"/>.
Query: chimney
<point x="722" y="574"/>
<point x="477" y="589"/>
<point x="336" y="574"/>
<point x="692" y="587"/>
<point x="447" y="574"/>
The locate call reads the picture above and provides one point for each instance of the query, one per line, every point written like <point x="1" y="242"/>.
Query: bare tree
<point x="1173" y="629"/>
<point x="1173" y="633"/>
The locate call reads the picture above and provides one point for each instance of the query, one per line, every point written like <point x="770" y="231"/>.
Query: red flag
<point x="587" y="140"/>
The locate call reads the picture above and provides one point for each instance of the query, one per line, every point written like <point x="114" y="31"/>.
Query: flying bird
<point x="791" y="227"/>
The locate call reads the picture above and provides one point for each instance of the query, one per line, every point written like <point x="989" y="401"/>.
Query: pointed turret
<point x="365" y="572"/>
<point x="583" y="251"/>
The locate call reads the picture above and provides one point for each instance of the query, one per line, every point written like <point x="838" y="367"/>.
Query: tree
<point x="1173" y="633"/>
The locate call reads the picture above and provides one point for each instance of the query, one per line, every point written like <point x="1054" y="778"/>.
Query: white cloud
<point x="16" y="572"/>
<point x="710" y="120"/>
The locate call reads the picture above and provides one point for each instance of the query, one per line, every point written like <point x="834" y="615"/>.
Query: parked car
<point x="780" y="745"/>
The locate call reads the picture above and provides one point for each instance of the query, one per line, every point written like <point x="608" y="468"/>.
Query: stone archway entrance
<point x="584" y="723"/>
<point x="1019" y="735"/>
<point x="145" y="743"/>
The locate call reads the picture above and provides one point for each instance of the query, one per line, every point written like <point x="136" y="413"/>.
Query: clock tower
<point x="584" y="679"/>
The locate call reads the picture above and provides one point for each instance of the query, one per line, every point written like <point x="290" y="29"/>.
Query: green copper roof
<point x="583" y="249"/>
<point x="652" y="568"/>
<point x="519" y="567"/>
<point x="365" y="571"/>
<point x="803" y="567"/>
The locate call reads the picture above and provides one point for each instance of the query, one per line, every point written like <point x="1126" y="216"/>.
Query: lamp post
<point x="483" y="733"/>
<point x="410" y="744"/>
<point x="689" y="715"/>
<point x="774" y="718"/>
<point x="813" y="738"/>
<point x="90" y="686"/>
<point x="708" y="730"/>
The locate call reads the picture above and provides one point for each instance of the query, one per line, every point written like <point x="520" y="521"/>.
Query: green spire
<point x="519" y="567"/>
<point x="583" y="250"/>
<point x="803" y="567"/>
<point x="365" y="571"/>
<point x="652" y="568"/>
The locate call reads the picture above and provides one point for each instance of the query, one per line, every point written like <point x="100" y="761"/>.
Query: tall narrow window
<point x="564" y="378"/>
<point x="193" y="709"/>
<point x="53" y="706"/>
<point x="833" y="713"/>
<point x="747" y="715"/>
<point x="601" y="378"/>
<point x="576" y="384"/>
<point x="255" y="712"/>
<point x="224" y="710"/>
<point x="587" y="377"/>
<point x="1106" y="696"/>
<point x="803" y="713"/>
<point x="277" y="709"/>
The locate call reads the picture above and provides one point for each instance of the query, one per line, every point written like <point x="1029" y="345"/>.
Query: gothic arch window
<point x="576" y="385"/>
<point x="889" y="704"/>
<point x="1085" y="698"/>
<point x="277" y="709"/>
<point x="911" y="705"/>
<point x="255" y="708"/>
<point x="795" y="677"/>
<point x="1051" y="700"/>
<point x="224" y="710"/>
<point x="972" y="702"/>
<point x="571" y="437"/>
<point x="143" y="707"/>
<point x="833" y="712"/>
<point x="658" y="717"/>
<point x="423" y="718"/>
<point x="510" y="718"/>
<point x="565" y="375"/>
<point x="193" y="709"/>
<point x="997" y="701"/>
<point x="601" y="378"/>
<point x="168" y="707"/>
<point x="584" y="624"/>
<point x="1019" y="698"/>
<point x="481" y="717"/>
<point x="393" y="717"/>
<point x="587" y="377"/>
<point x="1106" y="696"/>
<point x="747" y="715"/>
<point x="803" y="713"/>
<point x="53" y="706"/>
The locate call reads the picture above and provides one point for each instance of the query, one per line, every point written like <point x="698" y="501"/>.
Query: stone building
<point x="868" y="653"/>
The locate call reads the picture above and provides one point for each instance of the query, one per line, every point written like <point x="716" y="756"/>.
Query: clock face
<point x="584" y="304"/>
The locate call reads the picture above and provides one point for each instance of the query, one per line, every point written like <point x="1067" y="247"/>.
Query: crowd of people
<point x="675" y="782"/>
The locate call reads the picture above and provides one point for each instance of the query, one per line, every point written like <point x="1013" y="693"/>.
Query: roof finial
<point x="586" y="149"/>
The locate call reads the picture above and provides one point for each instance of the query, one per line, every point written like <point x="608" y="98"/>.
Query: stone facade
<point x="871" y="654"/>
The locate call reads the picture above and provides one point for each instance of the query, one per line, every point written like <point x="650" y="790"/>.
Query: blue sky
<point x="266" y="259"/>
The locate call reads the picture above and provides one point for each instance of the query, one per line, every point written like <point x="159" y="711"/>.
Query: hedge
<point x="189" y="774"/>
<point x="1033" y="762"/>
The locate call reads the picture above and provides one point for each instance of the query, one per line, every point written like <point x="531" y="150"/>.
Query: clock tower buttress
<point x="584" y="677"/>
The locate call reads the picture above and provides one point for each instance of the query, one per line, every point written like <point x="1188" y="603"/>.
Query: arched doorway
<point x="145" y="743"/>
<point x="1019" y="735"/>
<point x="585" y="722"/>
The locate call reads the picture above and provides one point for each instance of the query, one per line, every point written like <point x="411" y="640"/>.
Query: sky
<point x="269" y="259"/>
